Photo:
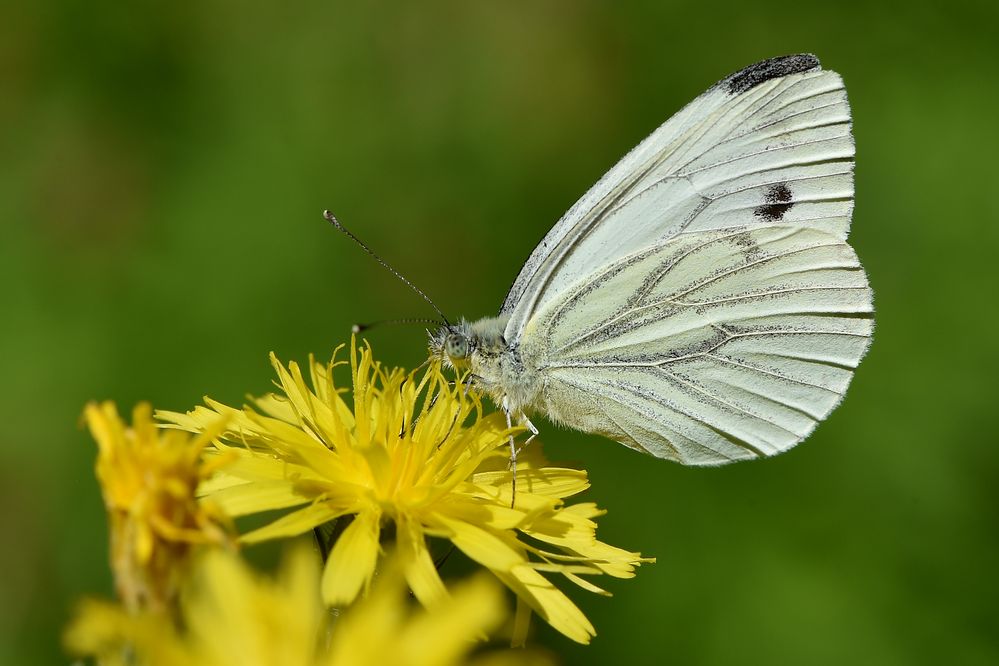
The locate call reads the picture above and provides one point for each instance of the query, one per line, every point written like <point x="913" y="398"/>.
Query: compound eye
<point x="456" y="346"/>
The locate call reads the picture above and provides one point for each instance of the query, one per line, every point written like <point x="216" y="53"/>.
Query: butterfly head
<point x="469" y="344"/>
<point x="452" y="344"/>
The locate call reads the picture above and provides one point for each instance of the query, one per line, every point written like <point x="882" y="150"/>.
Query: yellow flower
<point x="383" y="629"/>
<point x="416" y="452"/>
<point x="149" y="478"/>
<point x="113" y="636"/>
<point x="233" y="617"/>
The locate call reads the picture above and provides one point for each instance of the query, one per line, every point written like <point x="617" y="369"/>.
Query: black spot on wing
<point x="754" y="75"/>
<point x="778" y="201"/>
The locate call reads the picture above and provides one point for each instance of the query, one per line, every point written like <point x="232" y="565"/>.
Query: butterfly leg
<point x="513" y="453"/>
<point x="471" y="382"/>
<point x="530" y="426"/>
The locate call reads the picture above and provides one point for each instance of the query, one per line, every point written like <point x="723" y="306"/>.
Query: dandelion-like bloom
<point x="416" y="452"/>
<point x="149" y="478"/>
<point x="231" y="616"/>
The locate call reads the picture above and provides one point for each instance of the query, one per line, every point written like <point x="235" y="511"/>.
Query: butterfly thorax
<point x="496" y="367"/>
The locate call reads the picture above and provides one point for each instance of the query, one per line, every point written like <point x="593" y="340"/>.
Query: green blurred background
<point x="163" y="167"/>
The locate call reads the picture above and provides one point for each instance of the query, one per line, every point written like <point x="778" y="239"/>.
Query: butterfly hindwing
<point x="710" y="347"/>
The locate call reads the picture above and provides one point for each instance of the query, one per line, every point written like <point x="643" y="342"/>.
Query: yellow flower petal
<point x="521" y="624"/>
<point x="482" y="546"/>
<point x="551" y="481"/>
<point x="549" y="602"/>
<point x="585" y="584"/>
<point x="352" y="560"/>
<point x="419" y="569"/>
<point x="430" y="637"/>
<point x="249" y="497"/>
<point x="293" y="524"/>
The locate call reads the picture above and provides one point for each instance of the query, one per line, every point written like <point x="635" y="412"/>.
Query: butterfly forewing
<point x="770" y="144"/>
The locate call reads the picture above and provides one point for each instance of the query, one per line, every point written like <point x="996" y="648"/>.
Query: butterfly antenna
<point x="342" y="229"/>
<point x="359" y="328"/>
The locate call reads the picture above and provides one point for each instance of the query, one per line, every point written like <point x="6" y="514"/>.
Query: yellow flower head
<point x="230" y="616"/>
<point x="417" y="453"/>
<point x="149" y="478"/>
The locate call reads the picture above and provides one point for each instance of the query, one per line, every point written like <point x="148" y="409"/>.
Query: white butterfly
<point x="700" y="303"/>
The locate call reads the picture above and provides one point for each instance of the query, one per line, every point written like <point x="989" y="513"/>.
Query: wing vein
<point x="777" y="121"/>
<point x="712" y="397"/>
<point x="774" y="149"/>
<point x="742" y="267"/>
<point x="763" y="371"/>
<point x="759" y="295"/>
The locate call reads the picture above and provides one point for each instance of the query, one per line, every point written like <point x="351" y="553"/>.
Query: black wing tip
<point x="748" y="78"/>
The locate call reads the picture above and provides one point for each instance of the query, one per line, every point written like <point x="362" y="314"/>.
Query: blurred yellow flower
<point x="385" y="629"/>
<point x="416" y="452"/>
<point x="230" y="616"/>
<point x="149" y="478"/>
